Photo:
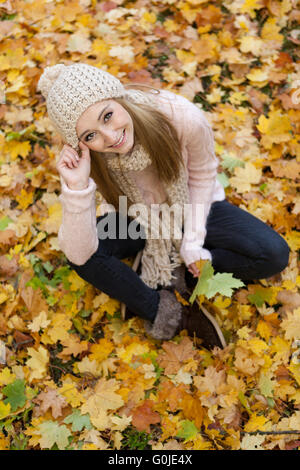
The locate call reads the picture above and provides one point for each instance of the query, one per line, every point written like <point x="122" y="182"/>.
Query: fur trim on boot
<point x="168" y="317"/>
<point x="179" y="282"/>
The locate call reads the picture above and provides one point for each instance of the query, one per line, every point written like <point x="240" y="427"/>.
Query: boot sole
<point x="214" y="323"/>
<point x="190" y="287"/>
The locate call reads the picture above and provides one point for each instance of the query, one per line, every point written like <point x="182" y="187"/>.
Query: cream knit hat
<point x="70" y="89"/>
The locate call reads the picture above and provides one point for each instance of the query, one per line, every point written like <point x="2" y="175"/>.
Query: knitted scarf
<point x="160" y="256"/>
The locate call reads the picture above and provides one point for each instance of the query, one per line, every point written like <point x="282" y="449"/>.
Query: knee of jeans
<point x="278" y="254"/>
<point x="100" y="253"/>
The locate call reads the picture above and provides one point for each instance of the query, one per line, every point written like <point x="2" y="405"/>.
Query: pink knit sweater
<point x="77" y="234"/>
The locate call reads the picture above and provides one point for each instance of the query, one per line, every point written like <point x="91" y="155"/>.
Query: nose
<point x="109" y="136"/>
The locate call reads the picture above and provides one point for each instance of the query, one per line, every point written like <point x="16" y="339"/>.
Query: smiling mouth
<point x="120" y="141"/>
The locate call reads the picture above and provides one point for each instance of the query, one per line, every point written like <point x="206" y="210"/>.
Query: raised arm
<point x="77" y="235"/>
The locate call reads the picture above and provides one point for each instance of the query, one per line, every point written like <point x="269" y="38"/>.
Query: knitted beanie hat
<point x="70" y="89"/>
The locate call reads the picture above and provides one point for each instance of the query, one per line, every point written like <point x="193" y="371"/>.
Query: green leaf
<point x="4" y="222"/>
<point x="13" y="136"/>
<point x="223" y="179"/>
<point x="48" y="266"/>
<point x="52" y="433"/>
<point x="260" y="296"/>
<point x="78" y="421"/>
<point x="15" y="393"/>
<point x="187" y="430"/>
<point x="222" y="283"/>
<point x="202" y="284"/>
<point x="263" y="186"/>
<point x="230" y="163"/>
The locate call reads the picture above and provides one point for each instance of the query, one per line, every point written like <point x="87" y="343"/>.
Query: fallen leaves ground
<point x="73" y="375"/>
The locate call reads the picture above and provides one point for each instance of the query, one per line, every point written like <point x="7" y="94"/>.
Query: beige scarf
<point x="160" y="255"/>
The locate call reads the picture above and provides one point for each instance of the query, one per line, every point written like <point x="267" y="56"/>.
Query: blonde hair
<point x="159" y="137"/>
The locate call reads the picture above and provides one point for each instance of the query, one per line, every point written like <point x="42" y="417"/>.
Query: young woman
<point x="153" y="149"/>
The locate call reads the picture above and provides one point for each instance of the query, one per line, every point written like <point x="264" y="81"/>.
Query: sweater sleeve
<point x="77" y="235"/>
<point x="202" y="165"/>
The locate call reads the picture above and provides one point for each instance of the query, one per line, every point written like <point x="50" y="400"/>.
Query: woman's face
<point x="113" y="123"/>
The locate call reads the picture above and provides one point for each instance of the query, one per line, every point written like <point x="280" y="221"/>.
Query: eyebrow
<point x="99" y="117"/>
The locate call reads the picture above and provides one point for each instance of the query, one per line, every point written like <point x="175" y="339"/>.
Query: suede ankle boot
<point x="172" y="317"/>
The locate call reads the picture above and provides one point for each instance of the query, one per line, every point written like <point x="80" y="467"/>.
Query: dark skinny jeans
<point x="239" y="243"/>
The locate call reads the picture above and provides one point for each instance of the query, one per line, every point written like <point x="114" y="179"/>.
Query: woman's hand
<point x="75" y="170"/>
<point x="193" y="269"/>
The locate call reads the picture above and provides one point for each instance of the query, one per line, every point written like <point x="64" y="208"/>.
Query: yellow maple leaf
<point x="291" y="325"/>
<point x="199" y="443"/>
<point x="244" y="177"/>
<point x="106" y="393"/>
<point x="110" y="307"/>
<point x="24" y="199"/>
<point x="187" y="12"/>
<point x="171" y="26"/>
<point x="258" y="75"/>
<point x="76" y="282"/>
<point x="38" y="362"/>
<point x="249" y="6"/>
<point x="257" y="423"/>
<point x="39" y="322"/>
<point x="6" y="377"/>
<point x="100" y="299"/>
<point x="101" y="350"/>
<point x="264" y="330"/>
<point x="133" y="349"/>
<point x="61" y="323"/>
<point x="150" y="17"/>
<point x="120" y="423"/>
<point x="184" y="56"/>
<point x="36" y="240"/>
<point x="295" y="369"/>
<point x="87" y="366"/>
<point x="257" y="345"/>
<point x="103" y="398"/>
<point x="16" y="148"/>
<point x="275" y="128"/>
<point x="293" y="239"/>
<point x="270" y="30"/>
<point x="244" y="332"/>
<point x="71" y="394"/>
<point x="4" y="409"/>
<point x="52" y="223"/>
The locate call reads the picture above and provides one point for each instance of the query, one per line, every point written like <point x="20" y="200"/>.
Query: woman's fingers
<point x="193" y="269"/>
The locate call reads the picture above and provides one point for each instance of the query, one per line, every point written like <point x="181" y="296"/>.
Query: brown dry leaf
<point x="246" y="363"/>
<point x="8" y="267"/>
<point x="286" y="169"/>
<point x="172" y="394"/>
<point x="143" y="415"/>
<point x="50" y="399"/>
<point x="72" y="345"/>
<point x="175" y="355"/>
<point x="290" y="300"/>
